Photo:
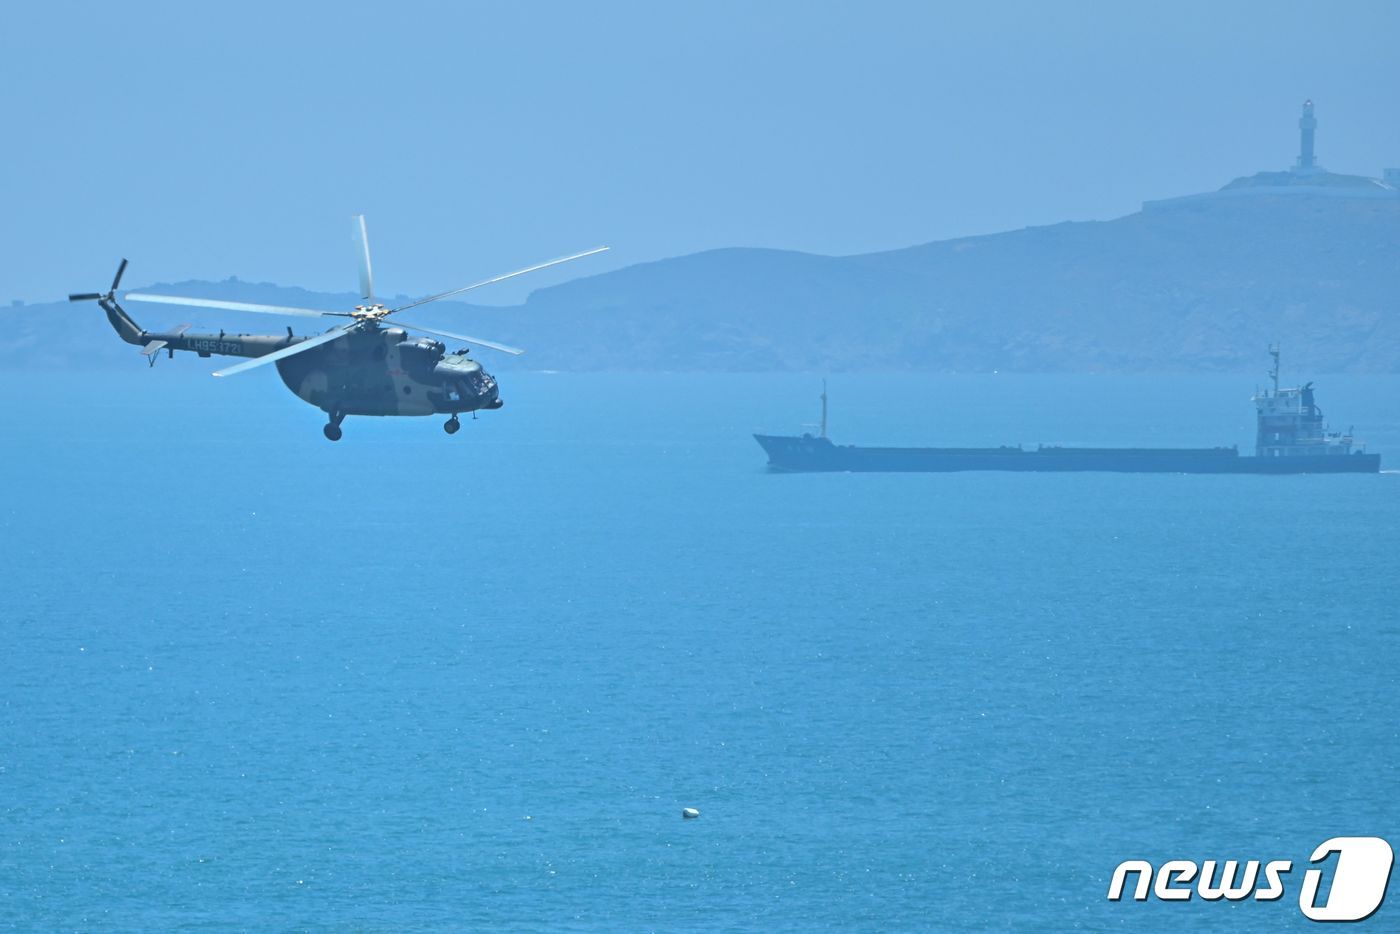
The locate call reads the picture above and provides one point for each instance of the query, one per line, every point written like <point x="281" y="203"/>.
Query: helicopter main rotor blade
<point x="310" y="343"/>
<point x="503" y="348"/>
<point x="234" y="306"/>
<point x="85" y="297"/>
<point x="362" y="254"/>
<point x="509" y="275"/>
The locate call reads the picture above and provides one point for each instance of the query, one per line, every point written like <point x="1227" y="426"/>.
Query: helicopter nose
<point x="484" y="388"/>
<point x="488" y="391"/>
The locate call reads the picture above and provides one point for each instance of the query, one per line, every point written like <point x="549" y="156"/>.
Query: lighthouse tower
<point x="1307" y="125"/>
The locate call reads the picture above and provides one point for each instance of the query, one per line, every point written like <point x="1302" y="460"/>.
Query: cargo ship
<point x="1292" y="438"/>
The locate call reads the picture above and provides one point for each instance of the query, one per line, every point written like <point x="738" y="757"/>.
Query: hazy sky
<point x="208" y="140"/>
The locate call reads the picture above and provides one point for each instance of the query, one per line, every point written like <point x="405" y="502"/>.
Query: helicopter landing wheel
<point x="332" y="428"/>
<point x="451" y="425"/>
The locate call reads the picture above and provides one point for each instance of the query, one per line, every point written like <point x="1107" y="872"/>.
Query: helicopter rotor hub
<point x="369" y="312"/>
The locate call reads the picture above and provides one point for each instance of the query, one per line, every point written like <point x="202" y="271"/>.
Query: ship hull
<point x="808" y="454"/>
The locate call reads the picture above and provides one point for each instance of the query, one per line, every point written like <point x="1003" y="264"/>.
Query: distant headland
<point x="1304" y="255"/>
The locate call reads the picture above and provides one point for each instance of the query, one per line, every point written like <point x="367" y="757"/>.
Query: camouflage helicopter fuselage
<point x="364" y="365"/>
<point x="371" y="370"/>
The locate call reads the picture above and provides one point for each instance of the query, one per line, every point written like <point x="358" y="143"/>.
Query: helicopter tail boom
<point x="205" y="345"/>
<point x="127" y="329"/>
<point x="181" y="338"/>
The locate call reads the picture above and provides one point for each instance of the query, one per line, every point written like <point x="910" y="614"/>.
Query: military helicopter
<point x="368" y="365"/>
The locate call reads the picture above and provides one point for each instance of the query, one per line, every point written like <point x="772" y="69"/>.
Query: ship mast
<point x="823" y="408"/>
<point x="1273" y="373"/>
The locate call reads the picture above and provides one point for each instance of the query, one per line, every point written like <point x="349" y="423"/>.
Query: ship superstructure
<point x="1292" y="425"/>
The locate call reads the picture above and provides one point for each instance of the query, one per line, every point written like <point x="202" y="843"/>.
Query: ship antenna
<point x="823" y="408"/>
<point x="1273" y="374"/>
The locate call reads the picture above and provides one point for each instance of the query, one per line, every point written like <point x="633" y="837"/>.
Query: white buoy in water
<point x="689" y="813"/>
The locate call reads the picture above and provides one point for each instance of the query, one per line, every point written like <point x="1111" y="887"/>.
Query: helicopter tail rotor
<point x="111" y="293"/>
<point x="126" y="328"/>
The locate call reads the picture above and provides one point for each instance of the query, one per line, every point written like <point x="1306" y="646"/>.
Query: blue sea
<point x="251" y="679"/>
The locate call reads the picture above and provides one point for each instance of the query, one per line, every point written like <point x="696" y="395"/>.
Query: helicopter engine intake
<point x="419" y="355"/>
